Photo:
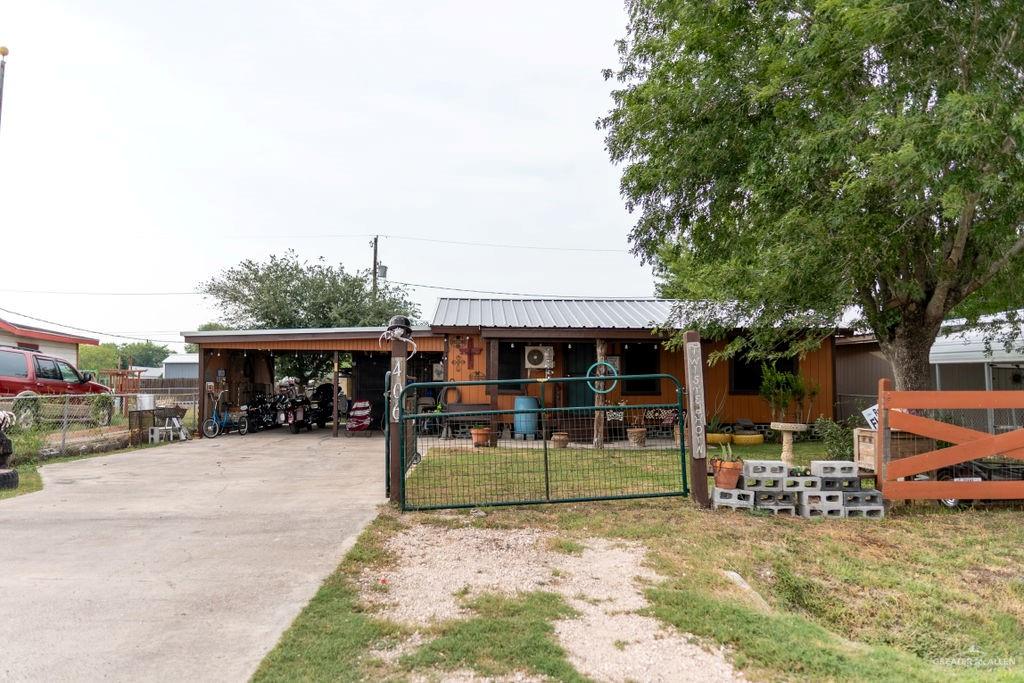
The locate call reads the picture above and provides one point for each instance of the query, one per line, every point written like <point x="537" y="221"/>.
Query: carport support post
<point x="696" y="419"/>
<point x="399" y="356"/>
<point x="334" y="409"/>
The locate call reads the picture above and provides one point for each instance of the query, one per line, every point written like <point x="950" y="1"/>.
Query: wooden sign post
<point x="399" y="357"/>
<point x="696" y="419"/>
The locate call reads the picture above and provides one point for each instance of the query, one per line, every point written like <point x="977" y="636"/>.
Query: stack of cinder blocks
<point x="832" y="490"/>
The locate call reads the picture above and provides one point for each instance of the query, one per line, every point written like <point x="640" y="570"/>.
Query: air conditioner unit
<point x="540" y="357"/>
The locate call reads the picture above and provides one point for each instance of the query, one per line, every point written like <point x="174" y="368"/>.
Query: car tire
<point x="9" y="479"/>
<point x="953" y="503"/>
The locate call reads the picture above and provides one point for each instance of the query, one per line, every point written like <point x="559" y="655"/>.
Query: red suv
<point x="27" y="375"/>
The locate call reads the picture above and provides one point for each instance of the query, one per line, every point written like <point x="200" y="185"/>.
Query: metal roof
<point x="179" y="358"/>
<point x="623" y="314"/>
<point x="298" y="333"/>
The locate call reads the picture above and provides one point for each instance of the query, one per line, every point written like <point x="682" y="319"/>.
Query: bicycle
<point x="221" y="422"/>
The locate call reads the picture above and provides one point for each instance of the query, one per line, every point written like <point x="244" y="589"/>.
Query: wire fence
<point x="538" y="454"/>
<point x="49" y="426"/>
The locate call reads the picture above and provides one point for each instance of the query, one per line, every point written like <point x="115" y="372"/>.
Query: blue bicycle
<point x="222" y="422"/>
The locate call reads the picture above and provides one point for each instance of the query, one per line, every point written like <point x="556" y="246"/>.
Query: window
<point x="47" y="369"/>
<point x="641" y="359"/>
<point x="67" y="372"/>
<point x="510" y="364"/>
<point x="13" y="364"/>
<point x="745" y="374"/>
<point x="28" y="347"/>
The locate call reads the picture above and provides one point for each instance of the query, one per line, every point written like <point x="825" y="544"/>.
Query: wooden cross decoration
<point x="469" y="350"/>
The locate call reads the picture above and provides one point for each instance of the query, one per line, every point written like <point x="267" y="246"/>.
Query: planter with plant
<point x="637" y="433"/>
<point x="790" y="400"/>
<point x="727" y="469"/>
<point x="715" y="433"/>
<point x="483" y="436"/>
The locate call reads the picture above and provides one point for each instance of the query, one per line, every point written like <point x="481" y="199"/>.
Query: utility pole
<point x="3" y="65"/>
<point x="374" y="243"/>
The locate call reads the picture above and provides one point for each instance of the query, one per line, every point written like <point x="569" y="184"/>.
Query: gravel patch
<point x="439" y="568"/>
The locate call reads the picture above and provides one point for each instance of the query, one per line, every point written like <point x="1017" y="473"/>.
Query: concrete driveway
<point x="185" y="562"/>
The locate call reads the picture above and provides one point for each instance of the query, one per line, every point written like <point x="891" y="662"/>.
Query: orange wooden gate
<point x="965" y="444"/>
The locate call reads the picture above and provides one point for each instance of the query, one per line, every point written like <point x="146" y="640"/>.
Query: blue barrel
<point x="526" y="423"/>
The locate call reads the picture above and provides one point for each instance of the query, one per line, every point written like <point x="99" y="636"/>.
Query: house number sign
<point x="695" y="399"/>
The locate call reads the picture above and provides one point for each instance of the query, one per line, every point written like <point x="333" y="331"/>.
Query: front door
<point x="578" y="360"/>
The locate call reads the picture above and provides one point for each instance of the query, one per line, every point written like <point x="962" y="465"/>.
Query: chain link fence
<point x="58" y="425"/>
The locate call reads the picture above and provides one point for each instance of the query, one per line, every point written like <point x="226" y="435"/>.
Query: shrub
<point x="837" y="438"/>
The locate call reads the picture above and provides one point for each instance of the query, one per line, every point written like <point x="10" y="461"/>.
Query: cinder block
<point x="787" y="510"/>
<point x="762" y="484"/>
<point x="764" y="469"/>
<point x="774" y="498"/>
<point x="730" y="506"/>
<point x="822" y="511"/>
<point x="821" y="499"/>
<point x="801" y="484"/>
<point x="733" y="497"/>
<point x="866" y="511"/>
<point x="833" y="468"/>
<point x="860" y="498"/>
<point x="840" y="484"/>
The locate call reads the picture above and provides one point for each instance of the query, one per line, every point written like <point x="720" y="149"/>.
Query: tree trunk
<point x="907" y="353"/>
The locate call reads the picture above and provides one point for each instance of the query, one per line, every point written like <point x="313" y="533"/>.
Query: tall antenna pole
<point x="375" y="238"/>
<point x="3" y="65"/>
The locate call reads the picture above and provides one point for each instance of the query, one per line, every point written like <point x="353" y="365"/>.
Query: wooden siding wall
<point x="816" y="367"/>
<point x="859" y="367"/>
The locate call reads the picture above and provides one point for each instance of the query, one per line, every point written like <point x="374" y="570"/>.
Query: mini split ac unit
<point x="540" y="357"/>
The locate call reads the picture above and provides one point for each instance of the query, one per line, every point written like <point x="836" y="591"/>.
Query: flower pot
<point x="637" y="436"/>
<point x="483" y="437"/>
<point x="727" y="474"/>
<point x="560" y="439"/>
<point x="747" y="439"/>
<point x="717" y="439"/>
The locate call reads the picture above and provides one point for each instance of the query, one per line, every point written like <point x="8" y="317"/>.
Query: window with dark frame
<point x="47" y="369"/>
<point x="745" y="374"/>
<point x="13" y="364"/>
<point x="640" y="359"/>
<point x="510" y="365"/>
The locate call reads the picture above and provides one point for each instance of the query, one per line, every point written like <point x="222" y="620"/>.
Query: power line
<point x="539" y="296"/>
<point x="79" y="293"/>
<point x="410" y="238"/>
<point x="82" y="329"/>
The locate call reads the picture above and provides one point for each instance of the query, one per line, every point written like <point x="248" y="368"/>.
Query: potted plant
<point x="716" y="434"/>
<point x="560" y="439"/>
<point x="727" y="468"/>
<point x="483" y="436"/>
<point x="781" y="390"/>
<point x="637" y="434"/>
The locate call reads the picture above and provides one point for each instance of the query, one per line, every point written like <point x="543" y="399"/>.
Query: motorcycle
<point x="292" y="408"/>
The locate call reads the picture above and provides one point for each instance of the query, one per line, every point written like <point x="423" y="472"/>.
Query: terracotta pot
<point x="637" y="436"/>
<point x="727" y="474"/>
<point x="716" y="438"/>
<point x="483" y="436"/>
<point x="560" y="439"/>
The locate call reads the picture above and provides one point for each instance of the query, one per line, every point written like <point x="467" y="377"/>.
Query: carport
<point x="244" y="361"/>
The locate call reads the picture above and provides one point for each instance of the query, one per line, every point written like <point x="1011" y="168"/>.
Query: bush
<point x="837" y="438"/>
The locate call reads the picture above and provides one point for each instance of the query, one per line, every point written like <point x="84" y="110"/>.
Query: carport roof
<point x="296" y="334"/>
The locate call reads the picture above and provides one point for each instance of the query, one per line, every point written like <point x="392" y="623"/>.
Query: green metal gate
<point x="468" y="454"/>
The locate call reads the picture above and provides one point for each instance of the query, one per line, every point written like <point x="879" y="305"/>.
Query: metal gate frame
<point x="404" y="417"/>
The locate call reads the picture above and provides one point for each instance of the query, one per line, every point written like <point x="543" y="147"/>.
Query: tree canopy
<point x="793" y="160"/>
<point x="206" y="327"/>
<point x="110" y="356"/>
<point x="286" y="292"/>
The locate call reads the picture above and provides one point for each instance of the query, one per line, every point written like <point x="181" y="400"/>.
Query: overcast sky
<point x="146" y="145"/>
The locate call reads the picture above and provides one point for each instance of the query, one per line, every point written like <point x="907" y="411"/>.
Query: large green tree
<point x="143" y="354"/>
<point x="286" y="292"/>
<point x="794" y="160"/>
<point x="96" y="358"/>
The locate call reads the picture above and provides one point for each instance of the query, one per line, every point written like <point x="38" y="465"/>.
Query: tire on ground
<point x="9" y="479"/>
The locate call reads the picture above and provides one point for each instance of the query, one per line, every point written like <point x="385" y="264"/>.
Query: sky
<point x="145" y="146"/>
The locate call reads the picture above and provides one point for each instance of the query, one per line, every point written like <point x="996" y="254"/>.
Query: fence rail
<point x="941" y="445"/>
<point x="538" y="453"/>
<point x="54" y="425"/>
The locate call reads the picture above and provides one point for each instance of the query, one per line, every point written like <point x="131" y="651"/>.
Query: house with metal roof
<point x="509" y="339"/>
<point x="50" y="342"/>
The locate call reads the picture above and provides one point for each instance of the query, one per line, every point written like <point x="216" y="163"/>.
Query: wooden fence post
<point x="696" y="419"/>
<point x="881" y="434"/>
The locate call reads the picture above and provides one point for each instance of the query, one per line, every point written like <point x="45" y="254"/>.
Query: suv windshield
<point x="13" y="364"/>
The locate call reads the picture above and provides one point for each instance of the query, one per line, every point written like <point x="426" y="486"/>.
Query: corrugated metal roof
<point x="187" y="358"/>
<point x="624" y="314"/>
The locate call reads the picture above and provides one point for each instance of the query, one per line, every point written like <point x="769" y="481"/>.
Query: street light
<point x="3" y="65"/>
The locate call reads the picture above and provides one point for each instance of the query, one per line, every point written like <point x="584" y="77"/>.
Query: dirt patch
<point x="608" y="640"/>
